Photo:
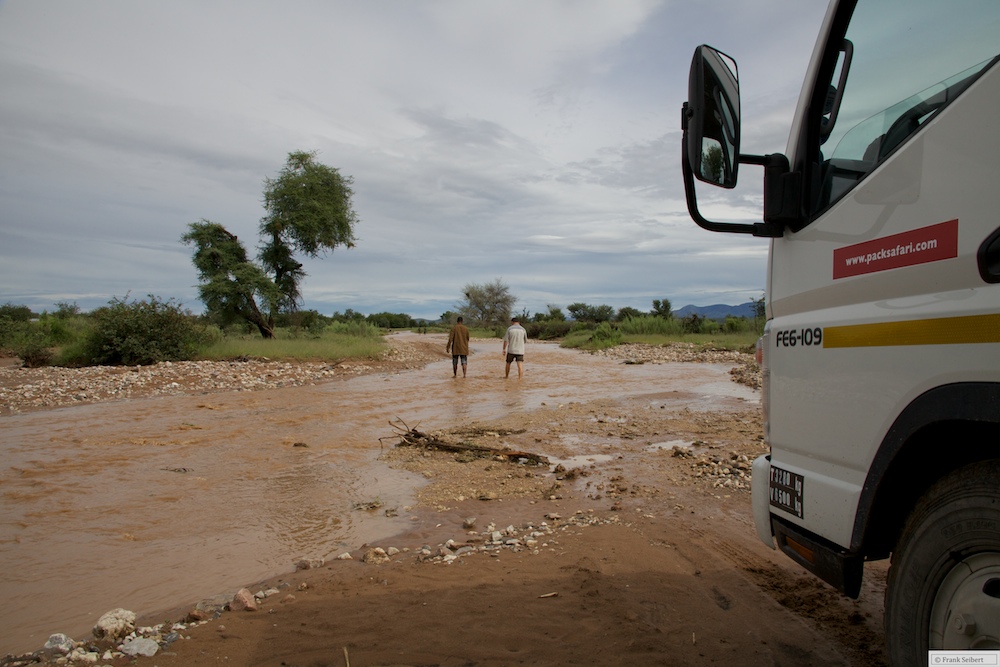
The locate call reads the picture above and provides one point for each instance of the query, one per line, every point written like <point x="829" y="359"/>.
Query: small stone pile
<point x="732" y="472"/>
<point x="491" y="541"/>
<point x="494" y="539"/>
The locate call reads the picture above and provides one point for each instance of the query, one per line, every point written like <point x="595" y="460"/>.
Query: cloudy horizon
<point x="533" y="141"/>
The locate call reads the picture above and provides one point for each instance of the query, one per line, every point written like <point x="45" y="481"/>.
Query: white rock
<point x="115" y="624"/>
<point x="375" y="556"/>
<point x="309" y="563"/>
<point x="59" y="643"/>
<point x="140" y="646"/>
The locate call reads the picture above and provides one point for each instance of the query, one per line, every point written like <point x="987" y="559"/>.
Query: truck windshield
<point x="910" y="59"/>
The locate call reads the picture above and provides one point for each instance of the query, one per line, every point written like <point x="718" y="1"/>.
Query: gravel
<point x="24" y="389"/>
<point x="745" y="369"/>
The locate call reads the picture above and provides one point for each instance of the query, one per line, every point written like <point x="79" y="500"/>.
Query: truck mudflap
<point x="840" y="569"/>
<point x="760" y="473"/>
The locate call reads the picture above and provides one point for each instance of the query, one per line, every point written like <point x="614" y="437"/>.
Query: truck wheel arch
<point x="964" y="418"/>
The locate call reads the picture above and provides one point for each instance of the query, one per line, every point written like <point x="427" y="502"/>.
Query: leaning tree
<point x="308" y="212"/>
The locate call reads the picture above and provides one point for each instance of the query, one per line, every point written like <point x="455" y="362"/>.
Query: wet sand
<point x="153" y="504"/>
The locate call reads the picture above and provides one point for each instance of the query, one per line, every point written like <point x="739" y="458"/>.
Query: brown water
<point x="156" y="503"/>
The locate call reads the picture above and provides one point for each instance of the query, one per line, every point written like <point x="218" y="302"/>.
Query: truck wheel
<point x="944" y="583"/>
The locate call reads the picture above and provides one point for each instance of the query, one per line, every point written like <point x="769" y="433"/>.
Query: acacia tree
<point x="488" y="305"/>
<point x="662" y="309"/>
<point x="583" y="312"/>
<point x="309" y="211"/>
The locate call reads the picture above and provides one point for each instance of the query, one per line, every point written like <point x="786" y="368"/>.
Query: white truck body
<point x="881" y="353"/>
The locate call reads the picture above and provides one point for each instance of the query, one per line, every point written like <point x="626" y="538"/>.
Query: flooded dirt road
<point x="149" y="503"/>
<point x="636" y="546"/>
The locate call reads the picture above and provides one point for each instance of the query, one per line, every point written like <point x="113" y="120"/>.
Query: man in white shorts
<point x="513" y="347"/>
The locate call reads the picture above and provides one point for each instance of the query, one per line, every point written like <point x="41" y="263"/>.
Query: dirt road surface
<point x="634" y="546"/>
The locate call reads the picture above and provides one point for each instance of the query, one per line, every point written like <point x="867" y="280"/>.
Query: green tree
<point x="66" y="310"/>
<point x="388" y="320"/>
<point x="583" y="312"/>
<point x="627" y="312"/>
<point x="231" y="284"/>
<point x="713" y="164"/>
<point x="487" y="305"/>
<point x="308" y="212"/>
<point x="349" y="315"/>
<point x="15" y="313"/>
<point x="662" y="309"/>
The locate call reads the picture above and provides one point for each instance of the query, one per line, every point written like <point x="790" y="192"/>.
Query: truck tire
<point x="943" y="590"/>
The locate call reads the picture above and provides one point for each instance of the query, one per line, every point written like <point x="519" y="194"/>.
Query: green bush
<point x="142" y="332"/>
<point x="548" y="329"/>
<point x="605" y="335"/>
<point x="27" y="342"/>
<point x="578" y="338"/>
<point x="693" y="323"/>
<point x="15" y="313"/>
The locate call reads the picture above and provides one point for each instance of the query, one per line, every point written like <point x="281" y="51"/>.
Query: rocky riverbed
<point x="24" y="389"/>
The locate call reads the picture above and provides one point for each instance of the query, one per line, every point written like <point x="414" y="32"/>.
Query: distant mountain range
<point x="717" y="311"/>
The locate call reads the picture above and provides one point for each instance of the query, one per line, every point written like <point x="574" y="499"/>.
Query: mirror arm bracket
<point x="782" y="191"/>
<point x="775" y="164"/>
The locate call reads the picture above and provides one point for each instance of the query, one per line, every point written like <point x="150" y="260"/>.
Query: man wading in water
<point x="513" y="347"/>
<point x="458" y="345"/>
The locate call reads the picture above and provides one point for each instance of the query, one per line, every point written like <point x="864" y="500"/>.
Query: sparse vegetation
<point x="129" y="332"/>
<point x="339" y="340"/>
<point x="142" y="332"/>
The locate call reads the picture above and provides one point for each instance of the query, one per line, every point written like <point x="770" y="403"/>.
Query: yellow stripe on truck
<point x="939" y="331"/>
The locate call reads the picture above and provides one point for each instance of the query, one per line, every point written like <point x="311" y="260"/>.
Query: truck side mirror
<point x="712" y="118"/>
<point x="710" y="149"/>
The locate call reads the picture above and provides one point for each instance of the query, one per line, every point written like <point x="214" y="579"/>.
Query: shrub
<point x="15" y="313"/>
<point x="29" y="344"/>
<point x="142" y="332"/>
<point x="605" y="335"/>
<point x="548" y="329"/>
<point x="692" y="323"/>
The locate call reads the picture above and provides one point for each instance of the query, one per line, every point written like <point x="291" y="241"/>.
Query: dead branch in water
<point x="411" y="437"/>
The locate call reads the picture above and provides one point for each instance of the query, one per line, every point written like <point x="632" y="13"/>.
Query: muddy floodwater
<point x="149" y="504"/>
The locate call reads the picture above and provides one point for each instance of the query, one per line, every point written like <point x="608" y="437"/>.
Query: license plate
<point x="786" y="490"/>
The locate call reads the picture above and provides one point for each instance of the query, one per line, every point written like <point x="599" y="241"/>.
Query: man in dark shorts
<point x="458" y="345"/>
<point x="513" y="347"/>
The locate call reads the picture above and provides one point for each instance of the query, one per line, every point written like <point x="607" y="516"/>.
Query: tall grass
<point x="340" y="340"/>
<point x="659" y="331"/>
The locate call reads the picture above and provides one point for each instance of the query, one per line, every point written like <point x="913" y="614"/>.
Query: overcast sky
<point x="536" y="141"/>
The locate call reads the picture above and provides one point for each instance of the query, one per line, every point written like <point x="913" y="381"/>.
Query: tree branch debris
<point x="411" y="437"/>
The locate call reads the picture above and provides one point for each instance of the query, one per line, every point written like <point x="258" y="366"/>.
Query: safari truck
<point x="881" y="352"/>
